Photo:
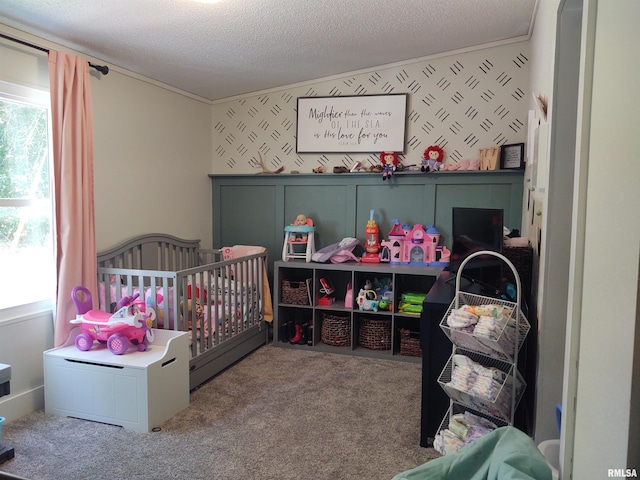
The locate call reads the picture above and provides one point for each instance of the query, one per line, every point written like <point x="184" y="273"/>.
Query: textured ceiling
<point x="219" y="50"/>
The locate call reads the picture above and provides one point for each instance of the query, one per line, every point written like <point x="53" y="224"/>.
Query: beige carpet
<point x="277" y="414"/>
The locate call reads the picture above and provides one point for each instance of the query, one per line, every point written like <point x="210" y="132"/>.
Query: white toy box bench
<point x="136" y="390"/>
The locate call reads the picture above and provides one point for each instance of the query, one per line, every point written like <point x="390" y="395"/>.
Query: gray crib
<point x="218" y="301"/>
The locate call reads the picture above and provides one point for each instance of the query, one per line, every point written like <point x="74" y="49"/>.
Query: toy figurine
<point x="432" y="159"/>
<point x="389" y="164"/>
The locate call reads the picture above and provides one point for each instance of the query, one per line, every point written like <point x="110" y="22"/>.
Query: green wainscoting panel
<point x="254" y="209"/>
<point x="325" y="204"/>
<point x="246" y="215"/>
<point x="410" y="204"/>
<point x="485" y="195"/>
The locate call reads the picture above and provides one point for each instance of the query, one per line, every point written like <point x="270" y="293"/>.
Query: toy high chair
<point x="299" y="235"/>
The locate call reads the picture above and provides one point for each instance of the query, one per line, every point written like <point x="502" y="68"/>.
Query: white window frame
<point x="44" y="301"/>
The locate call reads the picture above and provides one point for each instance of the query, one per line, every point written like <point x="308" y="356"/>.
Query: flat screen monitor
<point x="473" y="230"/>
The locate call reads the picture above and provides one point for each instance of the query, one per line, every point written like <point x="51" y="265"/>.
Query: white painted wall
<point x="605" y="233"/>
<point x="551" y="327"/>
<point x="152" y="161"/>
<point x="23" y="339"/>
<point x="609" y="290"/>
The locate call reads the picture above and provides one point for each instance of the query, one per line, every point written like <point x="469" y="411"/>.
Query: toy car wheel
<point x="117" y="344"/>
<point x="84" y="342"/>
<point x="142" y="347"/>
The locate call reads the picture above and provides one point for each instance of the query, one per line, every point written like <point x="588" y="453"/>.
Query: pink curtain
<point x="72" y="126"/>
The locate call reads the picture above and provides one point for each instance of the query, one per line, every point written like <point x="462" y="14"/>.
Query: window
<point x="26" y="240"/>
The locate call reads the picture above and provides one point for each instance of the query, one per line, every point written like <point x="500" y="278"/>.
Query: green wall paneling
<point x="245" y="215"/>
<point x="325" y="204"/>
<point x="411" y="203"/>
<point x="253" y="209"/>
<point x="485" y="195"/>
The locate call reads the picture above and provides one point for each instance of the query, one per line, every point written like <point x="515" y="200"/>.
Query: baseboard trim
<point x="16" y="406"/>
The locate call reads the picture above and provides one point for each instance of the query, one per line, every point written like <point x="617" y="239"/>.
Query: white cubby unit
<point x="137" y="390"/>
<point x="339" y="327"/>
<point x="488" y="383"/>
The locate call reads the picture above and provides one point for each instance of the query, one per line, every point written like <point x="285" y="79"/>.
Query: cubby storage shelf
<point x="357" y="332"/>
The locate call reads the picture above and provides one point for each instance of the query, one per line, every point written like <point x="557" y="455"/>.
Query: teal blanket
<point x="504" y="454"/>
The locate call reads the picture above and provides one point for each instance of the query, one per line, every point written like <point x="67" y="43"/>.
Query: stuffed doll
<point x="432" y="159"/>
<point x="300" y="221"/>
<point x="389" y="164"/>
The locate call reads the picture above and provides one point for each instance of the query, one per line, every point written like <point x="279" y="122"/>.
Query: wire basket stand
<point x="498" y="350"/>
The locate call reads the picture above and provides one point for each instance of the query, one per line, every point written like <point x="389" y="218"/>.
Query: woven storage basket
<point x="295" y="292"/>
<point x="410" y="343"/>
<point x="375" y="334"/>
<point x="336" y="329"/>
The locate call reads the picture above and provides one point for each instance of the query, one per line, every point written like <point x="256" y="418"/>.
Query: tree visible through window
<point x="26" y="246"/>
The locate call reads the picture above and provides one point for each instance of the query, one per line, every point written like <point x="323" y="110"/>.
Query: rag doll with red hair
<point x="389" y="162"/>
<point x="432" y="159"/>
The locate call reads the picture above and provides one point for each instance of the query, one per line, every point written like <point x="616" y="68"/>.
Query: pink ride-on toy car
<point x="129" y="325"/>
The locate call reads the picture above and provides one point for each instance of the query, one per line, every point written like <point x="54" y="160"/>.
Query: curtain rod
<point x="103" y="69"/>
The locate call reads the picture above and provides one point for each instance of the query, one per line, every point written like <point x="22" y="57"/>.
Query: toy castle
<point x="414" y="245"/>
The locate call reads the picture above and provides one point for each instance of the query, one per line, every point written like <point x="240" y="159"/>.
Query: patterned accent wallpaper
<point x="461" y="102"/>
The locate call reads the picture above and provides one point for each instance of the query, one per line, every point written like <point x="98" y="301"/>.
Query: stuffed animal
<point x="389" y="164"/>
<point x="432" y="159"/>
<point x="199" y="310"/>
<point x="461" y="165"/>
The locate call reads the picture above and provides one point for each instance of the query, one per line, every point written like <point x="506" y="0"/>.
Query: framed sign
<point x="362" y="123"/>
<point x="512" y="157"/>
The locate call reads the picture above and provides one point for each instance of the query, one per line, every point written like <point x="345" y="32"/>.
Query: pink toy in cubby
<point x="414" y="245"/>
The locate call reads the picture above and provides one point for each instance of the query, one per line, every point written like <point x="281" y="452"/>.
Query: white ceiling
<point x="224" y="49"/>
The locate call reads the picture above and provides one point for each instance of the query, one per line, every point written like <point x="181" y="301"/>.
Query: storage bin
<point x="295" y="292"/>
<point x="410" y="343"/>
<point x="138" y="390"/>
<point x="375" y="334"/>
<point x="336" y="329"/>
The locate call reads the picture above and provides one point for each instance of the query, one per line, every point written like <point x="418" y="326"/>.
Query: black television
<point x="473" y="230"/>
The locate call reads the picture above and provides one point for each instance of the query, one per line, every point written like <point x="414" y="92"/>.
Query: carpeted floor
<point x="277" y="414"/>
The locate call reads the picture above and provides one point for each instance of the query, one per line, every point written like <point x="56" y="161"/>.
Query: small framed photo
<point x="512" y="156"/>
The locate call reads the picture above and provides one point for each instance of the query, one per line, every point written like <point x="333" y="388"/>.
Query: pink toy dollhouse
<point x="414" y="245"/>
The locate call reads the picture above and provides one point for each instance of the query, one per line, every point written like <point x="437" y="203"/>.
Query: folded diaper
<point x="447" y="443"/>
<point x="470" y="377"/>
<point x="461" y="318"/>
<point x="463" y="429"/>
